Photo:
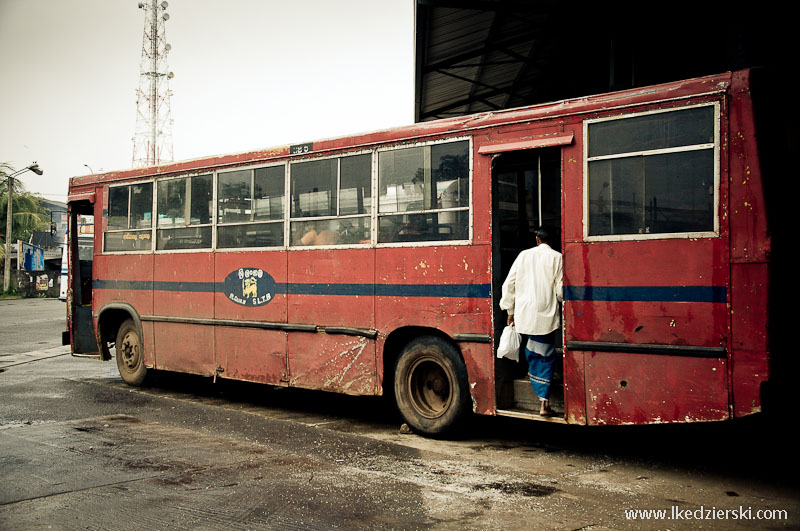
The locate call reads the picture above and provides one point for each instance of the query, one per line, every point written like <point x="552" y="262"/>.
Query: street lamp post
<point x="7" y="273"/>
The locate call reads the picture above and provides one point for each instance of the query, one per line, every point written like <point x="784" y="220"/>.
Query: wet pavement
<point x="81" y="450"/>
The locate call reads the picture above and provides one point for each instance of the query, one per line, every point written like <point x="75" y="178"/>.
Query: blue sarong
<point x="539" y="351"/>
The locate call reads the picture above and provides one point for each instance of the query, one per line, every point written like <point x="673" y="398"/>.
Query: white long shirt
<point x="532" y="290"/>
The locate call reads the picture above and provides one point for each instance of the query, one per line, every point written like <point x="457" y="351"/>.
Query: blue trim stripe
<point x="646" y="293"/>
<point x="363" y="290"/>
<point x="715" y="294"/>
<point x="477" y="291"/>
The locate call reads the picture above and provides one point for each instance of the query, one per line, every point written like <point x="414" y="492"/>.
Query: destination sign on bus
<point x="300" y="149"/>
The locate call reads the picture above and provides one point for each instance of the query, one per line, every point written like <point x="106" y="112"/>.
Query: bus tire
<point x="430" y="386"/>
<point x="130" y="360"/>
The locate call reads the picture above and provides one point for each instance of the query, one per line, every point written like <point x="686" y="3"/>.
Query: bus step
<point x="526" y="414"/>
<point x="526" y="399"/>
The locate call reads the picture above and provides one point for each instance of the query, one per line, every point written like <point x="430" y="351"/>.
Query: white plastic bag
<point x="509" y="344"/>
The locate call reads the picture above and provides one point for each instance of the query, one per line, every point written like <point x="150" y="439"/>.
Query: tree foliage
<point x="27" y="213"/>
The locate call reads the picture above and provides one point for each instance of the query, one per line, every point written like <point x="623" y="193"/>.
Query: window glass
<point x="652" y="131"/>
<point x="246" y="196"/>
<point x="250" y="235"/>
<point x="342" y="231"/>
<point x="425" y="178"/>
<point x="314" y="188"/>
<point x="690" y="210"/>
<point x="268" y="193"/>
<point x="184" y="238"/>
<point x="450" y="173"/>
<point x="234" y="200"/>
<point x="129" y="218"/>
<point x="431" y="226"/>
<point x="171" y="202"/>
<point x="201" y="200"/>
<point x="339" y="187"/>
<point x="401" y="180"/>
<point x="666" y="191"/>
<point x="356" y="185"/>
<point x="128" y="240"/>
<point x="183" y="205"/>
<point x="118" y="207"/>
<point x="141" y="206"/>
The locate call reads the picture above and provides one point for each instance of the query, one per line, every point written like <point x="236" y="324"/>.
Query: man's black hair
<point x="543" y="235"/>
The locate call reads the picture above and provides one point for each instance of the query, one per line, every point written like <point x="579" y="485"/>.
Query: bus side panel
<point x="574" y="387"/>
<point x="149" y="344"/>
<point x="662" y="291"/>
<point x="572" y="188"/>
<point x="479" y="359"/>
<point x="126" y="279"/>
<point x="447" y="288"/>
<point x="749" y="329"/>
<point x="750" y="253"/>
<point x="183" y="288"/>
<point x="344" y="364"/>
<point x="642" y="322"/>
<point x="444" y="288"/>
<point x="645" y="389"/>
<point x="252" y="355"/>
<point x="256" y="355"/>
<point x="332" y="288"/>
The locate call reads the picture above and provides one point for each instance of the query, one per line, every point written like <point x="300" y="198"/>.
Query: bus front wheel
<point x="130" y="361"/>
<point x="430" y="385"/>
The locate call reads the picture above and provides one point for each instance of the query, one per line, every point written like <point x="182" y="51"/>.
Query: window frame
<point x="252" y="168"/>
<point x="370" y="215"/>
<point x="212" y="215"/>
<point x="151" y="230"/>
<point x="714" y="146"/>
<point x="469" y="208"/>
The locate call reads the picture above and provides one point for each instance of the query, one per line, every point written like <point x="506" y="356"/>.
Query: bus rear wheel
<point x="430" y="386"/>
<point x="130" y="361"/>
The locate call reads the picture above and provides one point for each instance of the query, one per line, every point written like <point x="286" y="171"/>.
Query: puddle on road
<point x="523" y="489"/>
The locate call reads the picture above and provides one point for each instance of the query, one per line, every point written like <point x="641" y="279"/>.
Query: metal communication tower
<point x="152" y="142"/>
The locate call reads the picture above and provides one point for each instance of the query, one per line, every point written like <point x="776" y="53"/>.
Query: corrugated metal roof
<point x="480" y="55"/>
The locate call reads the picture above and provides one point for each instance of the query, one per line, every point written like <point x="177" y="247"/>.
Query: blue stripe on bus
<point x="364" y="290"/>
<point x="716" y="294"/>
<point x="646" y="293"/>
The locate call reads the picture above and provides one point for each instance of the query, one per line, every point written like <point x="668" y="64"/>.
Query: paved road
<point x="81" y="450"/>
<point x="31" y="324"/>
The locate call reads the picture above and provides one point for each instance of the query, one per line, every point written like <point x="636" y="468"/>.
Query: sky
<point x="249" y="74"/>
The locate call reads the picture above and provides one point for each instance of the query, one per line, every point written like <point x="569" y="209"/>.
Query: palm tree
<point x="27" y="212"/>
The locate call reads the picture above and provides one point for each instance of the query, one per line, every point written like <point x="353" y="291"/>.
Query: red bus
<point x="372" y="264"/>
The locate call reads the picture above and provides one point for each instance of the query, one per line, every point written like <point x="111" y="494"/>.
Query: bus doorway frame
<point x="523" y="161"/>
<point x="80" y="329"/>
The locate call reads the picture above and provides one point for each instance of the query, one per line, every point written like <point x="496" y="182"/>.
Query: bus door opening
<point x="526" y="196"/>
<point x="79" y="292"/>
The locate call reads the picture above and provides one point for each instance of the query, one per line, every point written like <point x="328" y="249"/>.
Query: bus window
<point x="653" y="173"/>
<point x="429" y="185"/>
<point x="337" y="194"/>
<point x="184" y="213"/>
<point x="250" y="208"/>
<point x="130" y="214"/>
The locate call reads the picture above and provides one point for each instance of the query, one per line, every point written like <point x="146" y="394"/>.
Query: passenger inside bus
<point x="312" y="237"/>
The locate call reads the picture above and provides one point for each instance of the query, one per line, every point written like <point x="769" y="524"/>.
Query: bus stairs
<point x="526" y="404"/>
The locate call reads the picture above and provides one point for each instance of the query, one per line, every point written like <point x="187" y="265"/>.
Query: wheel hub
<point x="429" y="388"/>
<point x="129" y="350"/>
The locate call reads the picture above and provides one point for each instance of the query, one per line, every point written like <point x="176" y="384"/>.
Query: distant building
<point x="53" y="239"/>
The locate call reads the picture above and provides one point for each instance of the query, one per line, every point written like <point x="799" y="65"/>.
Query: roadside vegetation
<point x="27" y="214"/>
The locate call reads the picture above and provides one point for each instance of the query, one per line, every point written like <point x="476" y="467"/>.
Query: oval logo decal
<point x="250" y="286"/>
